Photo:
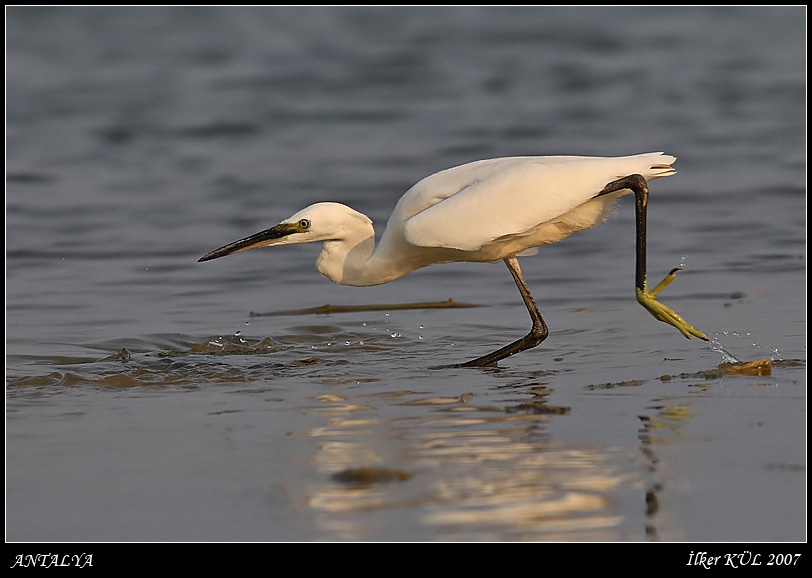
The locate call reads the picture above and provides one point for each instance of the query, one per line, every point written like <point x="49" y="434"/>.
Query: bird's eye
<point x="304" y="223"/>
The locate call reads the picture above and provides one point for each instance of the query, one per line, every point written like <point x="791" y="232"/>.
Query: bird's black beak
<point x="261" y="239"/>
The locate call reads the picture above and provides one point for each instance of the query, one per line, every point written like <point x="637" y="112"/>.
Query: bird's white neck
<point x="343" y="261"/>
<point x="351" y="261"/>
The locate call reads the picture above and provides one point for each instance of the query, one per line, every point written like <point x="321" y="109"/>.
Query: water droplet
<point x="394" y="335"/>
<point x="386" y="314"/>
<point x="420" y="327"/>
<point x="346" y="343"/>
<point x="237" y="333"/>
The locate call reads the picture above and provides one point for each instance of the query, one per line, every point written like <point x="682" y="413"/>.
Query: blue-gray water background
<point x="145" y="403"/>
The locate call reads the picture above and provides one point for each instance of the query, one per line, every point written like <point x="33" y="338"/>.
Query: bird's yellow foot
<point x="648" y="299"/>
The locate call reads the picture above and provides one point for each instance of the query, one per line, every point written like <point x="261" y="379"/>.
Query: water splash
<point x="727" y="357"/>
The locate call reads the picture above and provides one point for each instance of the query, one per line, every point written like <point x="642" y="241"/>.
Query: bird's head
<point x="319" y="222"/>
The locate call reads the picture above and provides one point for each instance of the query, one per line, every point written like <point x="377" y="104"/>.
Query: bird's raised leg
<point x="538" y="332"/>
<point x="637" y="184"/>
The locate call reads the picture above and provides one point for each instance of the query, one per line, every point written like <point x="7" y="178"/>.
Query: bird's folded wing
<point x="515" y="200"/>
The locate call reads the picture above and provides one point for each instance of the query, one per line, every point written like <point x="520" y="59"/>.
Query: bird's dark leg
<point x="538" y="332"/>
<point x="637" y="184"/>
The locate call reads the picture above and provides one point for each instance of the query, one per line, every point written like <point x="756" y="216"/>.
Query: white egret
<point x="484" y="211"/>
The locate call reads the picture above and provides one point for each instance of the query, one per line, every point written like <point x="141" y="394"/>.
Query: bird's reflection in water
<point x="461" y="472"/>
